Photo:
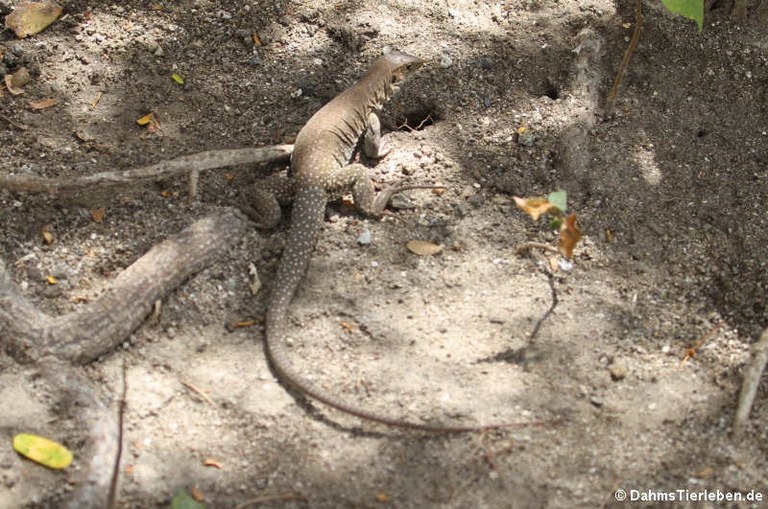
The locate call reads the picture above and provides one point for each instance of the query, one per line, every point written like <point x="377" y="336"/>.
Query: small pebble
<point x="446" y="61"/>
<point x="364" y="238"/>
<point x="526" y="138"/>
<point x="618" y="372"/>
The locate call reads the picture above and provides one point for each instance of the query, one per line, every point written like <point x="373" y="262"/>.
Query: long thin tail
<point x="306" y="222"/>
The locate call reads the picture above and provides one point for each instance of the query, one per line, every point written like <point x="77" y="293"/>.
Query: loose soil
<point x="670" y="191"/>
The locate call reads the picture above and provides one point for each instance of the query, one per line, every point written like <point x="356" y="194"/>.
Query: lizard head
<point x="400" y="65"/>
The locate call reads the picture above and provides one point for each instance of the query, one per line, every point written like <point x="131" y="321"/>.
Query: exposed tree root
<point x="752" y="375"/>
<point x="59" y="344"/>
<point x="185" y="165"/>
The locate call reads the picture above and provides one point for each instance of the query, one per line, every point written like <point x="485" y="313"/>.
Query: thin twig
<point x="627" y="57"/>
<point x="540" y="321"/>
<point x="529" y="246"/>
<point x="199" y="391"/>
<point x="14" y="124"/>
<point x="692" y="351"/>
<point x="120" y="430"/>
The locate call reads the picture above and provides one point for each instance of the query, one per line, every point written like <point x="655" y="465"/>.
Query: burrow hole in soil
<point x="417" y="119"/>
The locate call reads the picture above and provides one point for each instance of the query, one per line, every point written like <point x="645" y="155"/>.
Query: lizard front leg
<point x="373" y="145"/>
<point x="355" y="177"/>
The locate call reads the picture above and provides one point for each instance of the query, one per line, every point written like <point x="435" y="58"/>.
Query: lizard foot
<point x="386" y="194"/>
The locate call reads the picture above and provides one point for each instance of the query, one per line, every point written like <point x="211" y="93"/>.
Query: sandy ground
<point x="669" y="190"/>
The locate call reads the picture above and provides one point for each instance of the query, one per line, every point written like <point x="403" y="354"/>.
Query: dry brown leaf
<point x="31" y="18"/>
<point x="243" y="323"/>
<point x="79" y="299"/>
<point x="423" y="247"/>
<point x="197" y="494"/>
<point x="229" y="177"/>
<point x="382" y="497"/>
<point x="212" y="463"/>
<point x="438" y="191"/>
<point x="168" y="193"/>
<point x="47" y="235"/>
<point x="95" y="100"/>
<point x="98" y="214"/>
<point x="15" y="81"/>
<point x="43" y="103"/>
<point x="349" y="327"/>
<point x="534" y="207"/>
<point x="83" y="136"/>
<point x="570" y="234"/>
<point x="256" y="39"/>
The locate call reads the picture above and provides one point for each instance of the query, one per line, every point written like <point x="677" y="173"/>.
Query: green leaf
<point x="183" y="500"/>
<point x="177" y="78"/>
<point x="559" y="199"/>
<point x="42" y="450"/>
<point x="691" y="9"/>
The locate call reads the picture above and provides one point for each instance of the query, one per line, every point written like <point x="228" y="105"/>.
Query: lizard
<point x="320" y="171"/>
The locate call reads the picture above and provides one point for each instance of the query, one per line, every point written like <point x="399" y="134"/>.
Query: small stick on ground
<point x="752" y="376"/>
<point x="530" y="246"/>
<point x="120" y="430"/>
<point x="199" y="391"/>
<point x="542" y="319"/>
<point x="692" y="351"/>
<point x="627" y="57"/>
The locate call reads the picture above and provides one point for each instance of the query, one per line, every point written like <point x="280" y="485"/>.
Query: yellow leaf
<point x="423" y="247"/>
<point x="146" y="119"/>
<point x="382" y="497"/>
<point x="43" y="103"/>
<point x="52" y="280"/>
<point x="534" y="207"/>
<point x="32" y="17"/>
<point x="521" y="129"/>
<point x="570" y="234"/>
<point x="256" y="39"/>
<point x="42" y="450"/>
<point x="177" y="78"/>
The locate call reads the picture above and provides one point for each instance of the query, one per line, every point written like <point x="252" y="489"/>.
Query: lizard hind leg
<point x="266" y="199"/>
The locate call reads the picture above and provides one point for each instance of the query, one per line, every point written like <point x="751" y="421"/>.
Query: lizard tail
<point x="306" y="222"/>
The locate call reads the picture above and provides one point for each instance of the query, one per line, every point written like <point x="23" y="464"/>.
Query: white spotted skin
<point x="322" y="150"/>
